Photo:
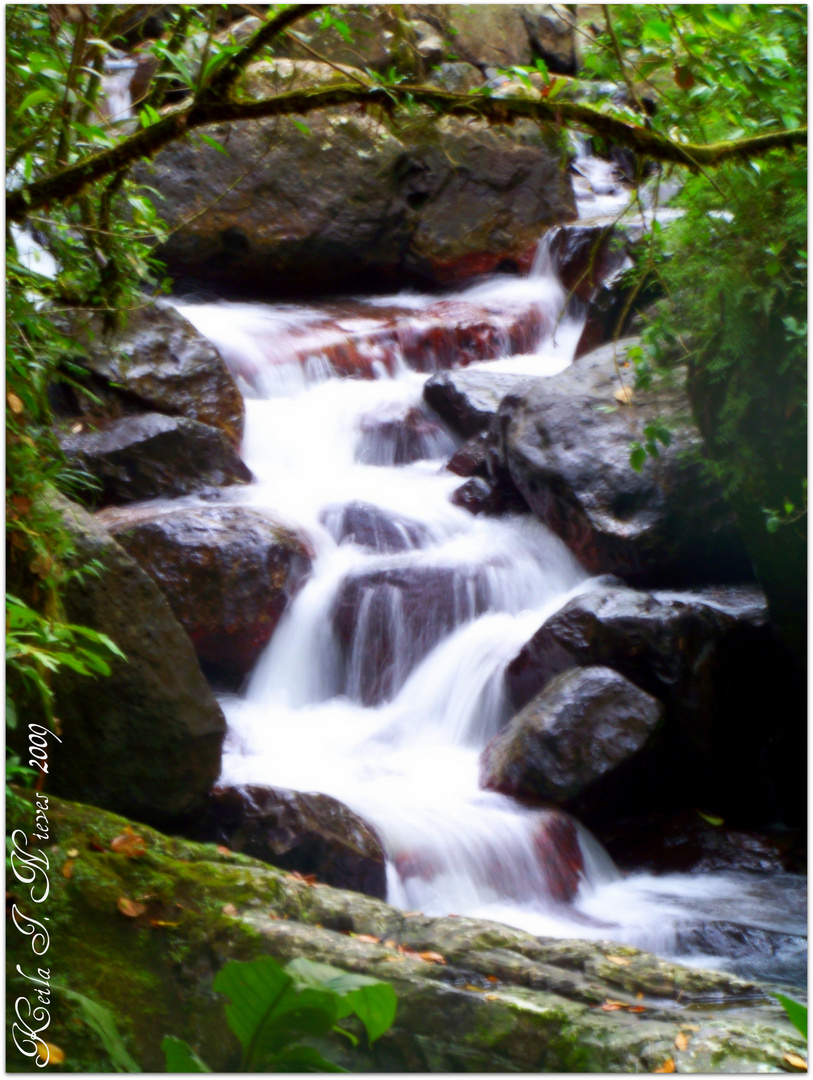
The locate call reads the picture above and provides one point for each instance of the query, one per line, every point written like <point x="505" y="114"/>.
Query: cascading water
<point x="383" y="681"/>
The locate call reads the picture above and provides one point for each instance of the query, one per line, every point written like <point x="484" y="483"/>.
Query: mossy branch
<point x="67" y="182"/>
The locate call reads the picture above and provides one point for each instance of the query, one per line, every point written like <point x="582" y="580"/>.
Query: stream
<point x="384" y="679"/>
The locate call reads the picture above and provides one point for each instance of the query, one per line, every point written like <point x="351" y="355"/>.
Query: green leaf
<point x="375" y="1006"/>
<point x="797" y="1013"/>
<point x="180" y="1056"/>
<point x="212" y="142"/>
<point x="36" y="97"/>
<point x="268" y="1010"/>
<point x="298" y="124"/>
<point x="772" y="524"/>
<point x="637" y="457"/>
<point x="373" y="1002"/>
<point x="711" y="819"/>
<point x="296" y="1059"/>
<point x="656" y="30"/>
<point x="100" y="1020"/>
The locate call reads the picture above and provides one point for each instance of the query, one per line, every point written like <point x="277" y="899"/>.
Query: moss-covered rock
<point x="503" y="1000"/>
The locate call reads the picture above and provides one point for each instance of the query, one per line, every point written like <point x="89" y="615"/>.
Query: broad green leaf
<point x="656" y="30"/>
<point x="100" y="1020"/>
<point x="373" y="1002"/>
<point x="212" y="142"/>
<point x="298" y="1059"/>
<point x="375" y="1006"/>
<point x="711" y="819"/>
<point x="797" y="1013"/>
<point x="267" y="1009"/>
<point x="637" y="457"/>
<point x="36" y="97"/>
<point x="180" y="1056"/>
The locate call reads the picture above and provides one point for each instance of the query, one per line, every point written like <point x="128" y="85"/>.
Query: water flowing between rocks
<point x="384" y="680"/>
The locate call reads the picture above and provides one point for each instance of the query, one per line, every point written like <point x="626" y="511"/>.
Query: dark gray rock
<point x="146" y="456"/>
<point x="566" y="442"/>
<point x="372" y="527"/>
<point x="469" y="400"/>
<point x="228" y="573"/>
<point x="581" y="727"/>
<point x="146" y="740"/>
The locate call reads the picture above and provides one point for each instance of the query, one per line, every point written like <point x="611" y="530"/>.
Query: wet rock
<point x="423" y="205"/>
<point x="469" y="400"/>
<point x="582" y="727"/>
<point x="480" y="496"/>
<point x="454" y="333"/>
<point x="398" y="436"/>
<point x="690" y="650"/>
<point x="441" y="1024"/>
<point x="228" y="573"/>
<point x="147" y="739"/>
<point x="160" y="363"/>
<point x="372" y="527"/>
<point x="456" y="76"/>
<point x="566" y="443"/>
<point x="586" y="255"/>
<point x="684" y="842"/>
<point x="551" y="29"/>
<point x="387" y="620"/>
<point x="472" y="457"/>
<point x="152" y="455"/>
<point x="556" y="844"/>
<point x="306" y="833"/>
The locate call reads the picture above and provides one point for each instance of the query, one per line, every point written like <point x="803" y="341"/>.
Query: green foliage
<point x="101" y="1021"/>
<point x="273" y="1008"/>
<point x="797" y="1013"/>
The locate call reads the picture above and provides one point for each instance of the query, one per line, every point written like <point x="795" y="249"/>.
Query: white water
<point x="402" y="748"/>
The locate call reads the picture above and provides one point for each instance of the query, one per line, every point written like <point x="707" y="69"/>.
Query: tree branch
<point x="67" y="182"/>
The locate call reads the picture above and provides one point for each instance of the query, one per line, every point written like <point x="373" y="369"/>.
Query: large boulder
<point x="228" y="573"/>
<point x="386" y="620"/>
<point x="147" y="739"/>
<point x="472" y="995"/>
<point x="158" y="362"/>
<point x="429" y="204"/>
<point x="152" y="455"/>
<point x="309" y="833"/>
<point x="566" y="442"/>
<point x="584" y="726"/>
<point x="401" y="434"/>
<point x="373" y="528"/>
<point x="712" y="657"/>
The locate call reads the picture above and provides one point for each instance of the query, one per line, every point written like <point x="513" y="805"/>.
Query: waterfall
<point x="384" y="679"/>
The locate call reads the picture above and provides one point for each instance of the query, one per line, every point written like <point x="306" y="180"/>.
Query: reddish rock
<point x="308" y="833"/>
<point x="228" y="573"/>
<point x="556" y="843"/>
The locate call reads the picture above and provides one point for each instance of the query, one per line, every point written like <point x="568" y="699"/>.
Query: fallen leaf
<point x="129" y="844"/>
<point x="94" y="845"/>
<point x="637" y="1008"/>
<point x="690" y="1027"/>
<point x="67" y="869"/>
<point x="162" y="922"/>
<point x="682" y="1040"/>
<point x="474" y="989"/>
<point x="393" y="959"/>
<point x="621" y="961"/>
<point x="14" y="403"/>
<point x="640" y="995"/>
<point x="130" y="908"/>
<point x="221" y="850"/>
<point x="623" y="395"/>
<point x="492" y="978"/>
<point x="795" y="1061"/>
<point x="54" y="1054"/>
<point x="371" y="939"/>
<point x="492" y="997"/>
<point x="432" y="957"/>
<point x="73" y="853"/>
<point x="273" y="915"/>
<point x="390" y="944"/>
<point x="229" y="909"/>
<point x="76" y="428"/>
<point x="411" y="914"/>
<point x="611" y="1006"/>
<point x="309" y="879"/>
<point x="668" y="1066"/>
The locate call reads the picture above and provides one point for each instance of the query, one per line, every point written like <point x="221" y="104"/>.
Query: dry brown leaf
<point x="130" y="908"/>
<point x="432" y="957"/>
<point x="273" y="915"/>
<point x="162" y="922"/>
<point x="621" y="961"/>
<point x="309" y="879"/>
<point x="371" y="939"/>
<point x="640" y="995"/>
<point x="411" y="914"/>
<point x="492" y="978"/>
<point x="795" y="1061"/>
<point x="14" y="403"/>
<point x="73" y="853"/>
<point x="129" y="844"/>
<point x="623" y="395"/>
<point x="390" y="944"/>
<point x="682" y="1040"/>
<point x="637" y="1008"/>
<point x="229" y="909"/>
<point x="667" y="1067"/>
<point x="54" y="1054"/>
<point x="611" y="1006"/>
<point x="492" y="997"/>
<point x="221" y="850"/>
<point x="474" y="989"/>
<point x="67" y="869"/>
<point x="690" y="1027"/>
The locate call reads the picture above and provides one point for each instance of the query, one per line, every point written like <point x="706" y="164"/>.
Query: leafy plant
<point x="102" y="1022"/>
<point x="272" y="1009"/>
<point x="797" y="1013"/>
